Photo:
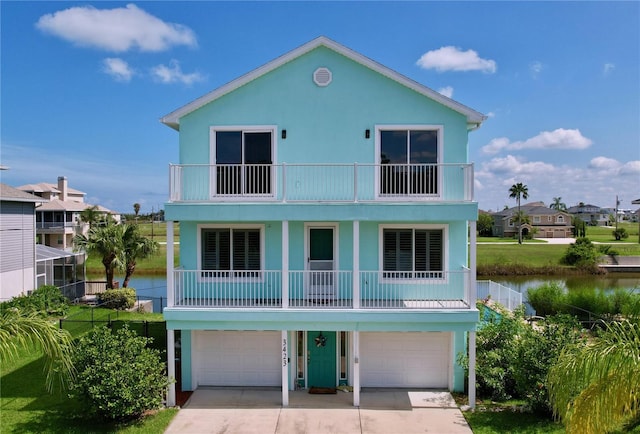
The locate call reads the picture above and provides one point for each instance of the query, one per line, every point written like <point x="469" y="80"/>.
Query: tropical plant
<point x="107" y="242"/>
<point x="119" y="299"/>
<point x="519" y="191"/>
<point x="46" y="300"/>
<point x="594" y="386"/>
<point x="136" y="208"/>
<point x="136" y="246"/>
<point x="91" y="215"/>
<point x="581" y="254"/>
<point x="25" y="330"/>
<point x="119" y="376"/>
<point x="558" y="205"/>
<point x="620" y="234"/>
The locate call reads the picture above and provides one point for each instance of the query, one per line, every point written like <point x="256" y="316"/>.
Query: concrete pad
<point x="418" y="420"/>
<point x="224" y="420"/>
<point x="431" y="399"/>
<point x="318" y="421"/>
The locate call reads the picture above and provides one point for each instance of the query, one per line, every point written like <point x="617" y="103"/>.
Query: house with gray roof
<point x="543" y="222"/>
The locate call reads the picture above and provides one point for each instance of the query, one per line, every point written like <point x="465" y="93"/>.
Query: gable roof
<point x="534" y="208"/>
<point x="474" y="118"/>
<point x="69" y="205"/>
<point x="46" y="187"/>
<point x="11" y="194"/>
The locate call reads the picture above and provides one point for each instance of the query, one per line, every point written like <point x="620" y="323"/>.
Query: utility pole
<point x="152" y="222"/>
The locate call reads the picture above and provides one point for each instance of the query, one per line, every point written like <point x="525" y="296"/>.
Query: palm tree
<point x="594" y="387"/>
<point x="136" y="208"/>
<point x="107" y="242"/>
<point x="518" y="191"/>
<point x="136" y="247"/>
<point x="91" y="215"/>
<point x="558" y="205"/>
<point x="24" y="331"/>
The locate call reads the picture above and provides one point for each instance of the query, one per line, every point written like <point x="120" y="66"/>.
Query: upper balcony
<point x="321" y="182"/>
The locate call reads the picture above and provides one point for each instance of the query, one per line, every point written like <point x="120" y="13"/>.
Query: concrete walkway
<point x="384" y="411"/>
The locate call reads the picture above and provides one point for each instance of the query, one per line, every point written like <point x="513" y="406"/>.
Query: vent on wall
<point x="322" y="77"/>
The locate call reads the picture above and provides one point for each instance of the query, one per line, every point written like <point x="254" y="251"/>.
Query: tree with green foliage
<point x="26" y="330"/>
<point x="91" y="215"/>
<point x="558" y="205"/>
<point x="107" y="242"/>
<point x="620" y="234"/>
<point x="136" y="208"/>
<point x="582" y="254"/>
<point x="119" y="376"/>
<point x="519" y="191"/>
<point x="136" y="246"/>
<point x="594" y="385"/>
<point x="579" y="227"/>
<point x="485" y="225"/>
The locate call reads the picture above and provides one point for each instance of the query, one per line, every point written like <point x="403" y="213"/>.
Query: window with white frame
<point x="226" y="252"/>
<point x="536" y="219"/>
<point x="243" y="159"/>
<point x="413" y="253"/>
<point x="408" y="161"/>
<point x="560" y="219"/>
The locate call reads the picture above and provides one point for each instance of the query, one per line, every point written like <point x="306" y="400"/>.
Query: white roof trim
<point x="173" y="119"/>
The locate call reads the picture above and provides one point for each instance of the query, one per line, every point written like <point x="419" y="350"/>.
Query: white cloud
<point x="117" y="68"/>
<point x="118" y="30"/>
<point x="454" y="59"/>
<point x="558" y="139"/>
<point x="516" y="166"/>
<point x="613" y="167"/>
<point x="173" y="74"/>
<point x="446" y="91"/>
<point x="604" y="163"/>
<point x="608" y="69"/>
<point x="536" y="68"/>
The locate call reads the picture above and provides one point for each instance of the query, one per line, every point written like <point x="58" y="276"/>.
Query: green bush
<point x="620" y="234"/>
<point x="118" y="376"/>
<point x="46" y="300"/>
<point x="546" y="299"/>
<point x="537" y="350"/>
<point x="581" y="254"/>
<point x="121" y="299"/>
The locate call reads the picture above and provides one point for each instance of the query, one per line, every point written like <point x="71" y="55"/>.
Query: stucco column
<point x="356" y="368"/>
<point x="171" y="369"/>
<point x="472" y="369"/>
<point x="472" y="262"/>
<point x="285" y="368"/>
<point x="356" y="264"/>
<point x="285" y="264"/>
<point x="170" y="282"/>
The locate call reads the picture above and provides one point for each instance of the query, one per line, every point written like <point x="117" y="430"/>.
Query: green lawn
<point x="25" y="405"/>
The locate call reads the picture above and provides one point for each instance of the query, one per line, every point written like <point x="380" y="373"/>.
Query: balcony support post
<point x="170" y="282"/>
<point x="285" y="368"/>
<point x="472" y="263"/>
<point x="356" y="367"/>
<point x="472" y="369"/>
<point x="356" y="265"/>
<point x="171" y="368"/>
<point x="285" y="264"/>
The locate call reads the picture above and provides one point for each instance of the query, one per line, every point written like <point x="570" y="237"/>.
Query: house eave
<point x="474" y="118"/>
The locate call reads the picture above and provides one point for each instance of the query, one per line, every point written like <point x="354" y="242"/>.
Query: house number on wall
<point x="284" y="352"/>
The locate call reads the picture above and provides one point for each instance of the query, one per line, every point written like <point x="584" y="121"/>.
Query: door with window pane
<point x="408" y="162"/>
<point x="321" y="277"/>
<point x="243" y="163"/>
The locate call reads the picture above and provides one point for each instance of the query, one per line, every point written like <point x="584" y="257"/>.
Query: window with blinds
<point x="413" y="253"/>
<point x="230" y="252"/>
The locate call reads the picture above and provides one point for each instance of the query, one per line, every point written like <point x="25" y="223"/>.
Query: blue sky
<point x="83" y="85"/>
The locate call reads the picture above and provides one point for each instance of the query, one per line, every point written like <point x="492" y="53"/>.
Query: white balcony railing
<point x="327" y="289"/>
<point x="320" y="182"/>
<point x="489" y="290"/>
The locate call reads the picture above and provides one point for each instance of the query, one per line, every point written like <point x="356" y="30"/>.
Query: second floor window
<point x="230" y="252"/>
<point x="408" y="161"/>
<point x="243" y="162"/>
<point x="413" y="253"/>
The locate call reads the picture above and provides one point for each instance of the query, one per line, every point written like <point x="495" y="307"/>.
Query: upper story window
<point x="536" y="219"/>
<point x="413" y="253"/>
<point x="243" y="159"/>
<point x="226" y="252"/>
<point x="408" y="160"/>
<point x="560" y="219"/>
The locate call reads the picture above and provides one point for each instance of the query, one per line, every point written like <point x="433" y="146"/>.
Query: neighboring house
<point x="543" y="222"/>
<point x="590" y="214"/>
<point x="58" y="219"/>
<point x="325" y="205"/>
<point x="66" y="270"/>
<point x="17" y="242"/>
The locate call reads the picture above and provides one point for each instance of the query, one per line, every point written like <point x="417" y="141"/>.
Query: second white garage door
<point x="238" y="358"/>
<point x="412" y="359"/>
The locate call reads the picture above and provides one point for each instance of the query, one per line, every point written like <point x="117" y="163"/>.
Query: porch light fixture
<point x="367" y="133"/>
<point x="284" y="134"/>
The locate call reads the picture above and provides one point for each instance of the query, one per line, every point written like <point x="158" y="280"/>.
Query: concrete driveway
<point x="384" y="411"/>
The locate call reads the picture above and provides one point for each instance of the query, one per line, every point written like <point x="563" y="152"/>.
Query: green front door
<point x="321" y="359"/>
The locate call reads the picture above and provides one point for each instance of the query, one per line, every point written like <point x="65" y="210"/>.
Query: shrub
<point x="537" y="350"/>
<point x="546" y="299"/>
<point x="118" y="376"/>
<point x="620" y="234"/>
<point x="46" y="300"/>
<point x="581" y="254"/>
<point x="121" y="299"/>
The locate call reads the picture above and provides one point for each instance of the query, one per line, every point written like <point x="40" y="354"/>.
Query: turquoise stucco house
<point x="325" y="206"/>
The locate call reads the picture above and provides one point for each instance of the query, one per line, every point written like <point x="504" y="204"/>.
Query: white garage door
<point x="412" y="359"/>
<point x="238" y="358"/>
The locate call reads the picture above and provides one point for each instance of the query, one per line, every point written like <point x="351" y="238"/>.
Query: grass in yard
<point x="510" y="421"/>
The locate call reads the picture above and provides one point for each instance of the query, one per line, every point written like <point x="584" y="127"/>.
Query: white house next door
<point x="321" y="263"/>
